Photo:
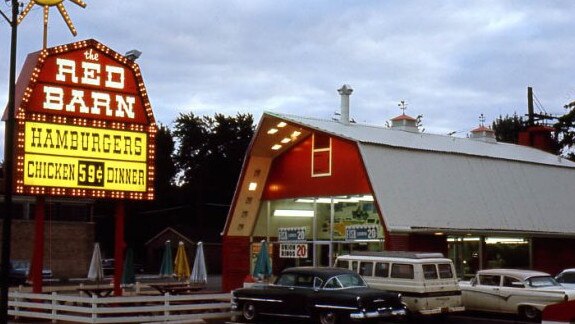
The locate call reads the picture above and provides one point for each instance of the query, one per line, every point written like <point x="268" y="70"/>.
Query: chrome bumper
<point x="442" y="310"/>
<point x="381" y="312"/>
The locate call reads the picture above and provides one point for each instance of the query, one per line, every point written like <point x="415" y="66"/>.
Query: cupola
<point x="403" y="121"/>
<point x="482" y="133"/>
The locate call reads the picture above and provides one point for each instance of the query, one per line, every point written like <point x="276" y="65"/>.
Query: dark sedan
<point x="329" y="295"/>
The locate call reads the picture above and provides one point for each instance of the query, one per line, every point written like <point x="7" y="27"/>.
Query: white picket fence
<point x="130" y="309"/>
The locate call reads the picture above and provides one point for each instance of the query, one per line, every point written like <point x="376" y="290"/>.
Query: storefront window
<point x="505" y="252"/>
<point x="332" y="225"/>
<point x="470" y="254"/>
<point x="464" y="251"/>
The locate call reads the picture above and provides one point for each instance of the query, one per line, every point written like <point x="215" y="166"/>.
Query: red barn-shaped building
<point x="319" y="188"/>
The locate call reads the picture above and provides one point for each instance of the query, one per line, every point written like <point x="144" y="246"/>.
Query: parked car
<point x="108" y="267"/>
<point x="566" y="278"/>
<point x="16" y="277"/>
<point x="325" y="294"/>
<point x="427" y="281"/>
<point x="523" y="292"/>
<point x="23" y="267"/>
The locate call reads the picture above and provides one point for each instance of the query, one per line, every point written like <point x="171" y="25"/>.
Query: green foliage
<point x="565" y="132"/>
<point x="165" y="169"/>
<point x="360" y="214"/>
<point x="209" y="157"/>
<point x="507" y="128"/>
<point x="211" y="150"/>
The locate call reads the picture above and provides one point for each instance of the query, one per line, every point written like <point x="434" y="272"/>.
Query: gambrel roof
<point x="428" y="183"/>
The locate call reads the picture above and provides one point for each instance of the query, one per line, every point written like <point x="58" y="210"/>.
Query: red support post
<point x="119" y="248"/>
<point x="38" y="257"/>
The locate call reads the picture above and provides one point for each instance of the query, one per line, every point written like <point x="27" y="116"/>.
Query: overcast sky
<point x="449" y="60"/>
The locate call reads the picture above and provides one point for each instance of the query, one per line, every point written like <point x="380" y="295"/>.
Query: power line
<point x="539" y="104"/>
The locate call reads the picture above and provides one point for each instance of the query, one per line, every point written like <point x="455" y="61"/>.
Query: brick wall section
<point x="68" y="246"/>
<point x="553" y="254"/>
<point x="428" y="243"/>
<point x="416" y="243"/>
<point x="235" y="261"/>
<point x="397" y="242"/>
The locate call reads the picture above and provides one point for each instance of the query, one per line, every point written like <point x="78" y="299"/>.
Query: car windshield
<point x="568" y="277"/>
<point x="542" y="281"/>
<point x="345" y="281"/>
<point x="20" y="264"/>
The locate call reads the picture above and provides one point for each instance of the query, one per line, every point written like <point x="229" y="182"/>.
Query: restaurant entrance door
<point x="323" y="254"/>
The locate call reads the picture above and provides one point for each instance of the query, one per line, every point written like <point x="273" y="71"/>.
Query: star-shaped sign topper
<point x="50" y="3"/>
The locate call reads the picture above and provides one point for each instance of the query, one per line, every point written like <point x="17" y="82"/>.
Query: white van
<point x="426" y="281"/>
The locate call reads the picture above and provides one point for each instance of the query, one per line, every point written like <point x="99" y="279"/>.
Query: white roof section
<point x="427" y="142"/>
<point x="425" y="182"/>
<point x="522" y="274"/>
<point x="422" y="190"/>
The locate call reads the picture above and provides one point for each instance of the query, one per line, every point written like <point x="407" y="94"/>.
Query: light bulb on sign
<point x="46" y="4"/>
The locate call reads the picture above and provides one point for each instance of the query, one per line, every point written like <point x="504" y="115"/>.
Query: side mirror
<point x="473" y="282"/>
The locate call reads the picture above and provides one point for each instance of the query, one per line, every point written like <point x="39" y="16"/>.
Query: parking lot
<point x="464" y="318"/>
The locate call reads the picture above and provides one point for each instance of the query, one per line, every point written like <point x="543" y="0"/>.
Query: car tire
<point x="249" y="312"/>
<point x="328" y="317"/>
<point x="530" y="313"/>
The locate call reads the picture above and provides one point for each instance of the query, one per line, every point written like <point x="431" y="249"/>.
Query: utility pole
<point x="8" y="169"/>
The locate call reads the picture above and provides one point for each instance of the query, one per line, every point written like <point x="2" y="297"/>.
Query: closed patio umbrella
<point x="167" y="268"/>
<point x="96" y="272"/>
<point x="181" y="264"/>
<point x="129" y="276"/>
<point x="263" y="267"/>
<point x="199" y="274"/>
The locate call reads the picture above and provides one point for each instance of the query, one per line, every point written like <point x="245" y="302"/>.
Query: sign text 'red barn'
<point x="85" y="126"/>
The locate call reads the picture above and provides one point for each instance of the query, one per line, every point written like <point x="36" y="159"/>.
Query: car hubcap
<point x="249" y="311"/>
<point x="531" y="313"/>
<point x="328" y="318"/>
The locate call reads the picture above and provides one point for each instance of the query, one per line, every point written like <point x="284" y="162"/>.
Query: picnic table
<point x="177" y="289"/>
<point x="97" y="291"/>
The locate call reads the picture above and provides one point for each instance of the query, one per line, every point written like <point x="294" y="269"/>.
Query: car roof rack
<point x="399" y="254"/>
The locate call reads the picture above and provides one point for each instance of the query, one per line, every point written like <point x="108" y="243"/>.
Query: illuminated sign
<point x="361" y="232"/>
<point x="64" y="140"/>
<point x="84" y="124"/>
<point x="291" y="234"/>
<point x="82" y="157"/>
<point x="87" y="84"/>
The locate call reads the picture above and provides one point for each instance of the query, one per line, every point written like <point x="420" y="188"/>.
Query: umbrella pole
<point x="119" y="248"/>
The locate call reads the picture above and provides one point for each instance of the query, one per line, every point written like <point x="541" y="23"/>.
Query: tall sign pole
<point x="8" y="168"/>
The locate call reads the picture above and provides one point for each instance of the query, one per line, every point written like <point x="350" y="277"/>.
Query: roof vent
<point x="482" y="133"/>
<point x="403" y="121"/>
<point x="345" y="91"/>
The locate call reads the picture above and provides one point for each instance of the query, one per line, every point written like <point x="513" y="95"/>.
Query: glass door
<point x="323" y="254"/>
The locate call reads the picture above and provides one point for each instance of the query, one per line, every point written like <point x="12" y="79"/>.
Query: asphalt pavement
<point x="463" y="318"/>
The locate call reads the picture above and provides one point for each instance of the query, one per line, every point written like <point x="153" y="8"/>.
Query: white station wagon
<point x="522" y="292"/>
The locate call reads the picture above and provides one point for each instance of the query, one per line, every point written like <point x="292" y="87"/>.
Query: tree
<point x="209" y="158"/>
<point x="507" y="128"/>
<point x="565" y="132"/>
<point x="211" y="151"/>
<point x="165" y="168"/>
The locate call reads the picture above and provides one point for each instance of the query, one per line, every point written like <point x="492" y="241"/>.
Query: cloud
<point x="450" y="60"/>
